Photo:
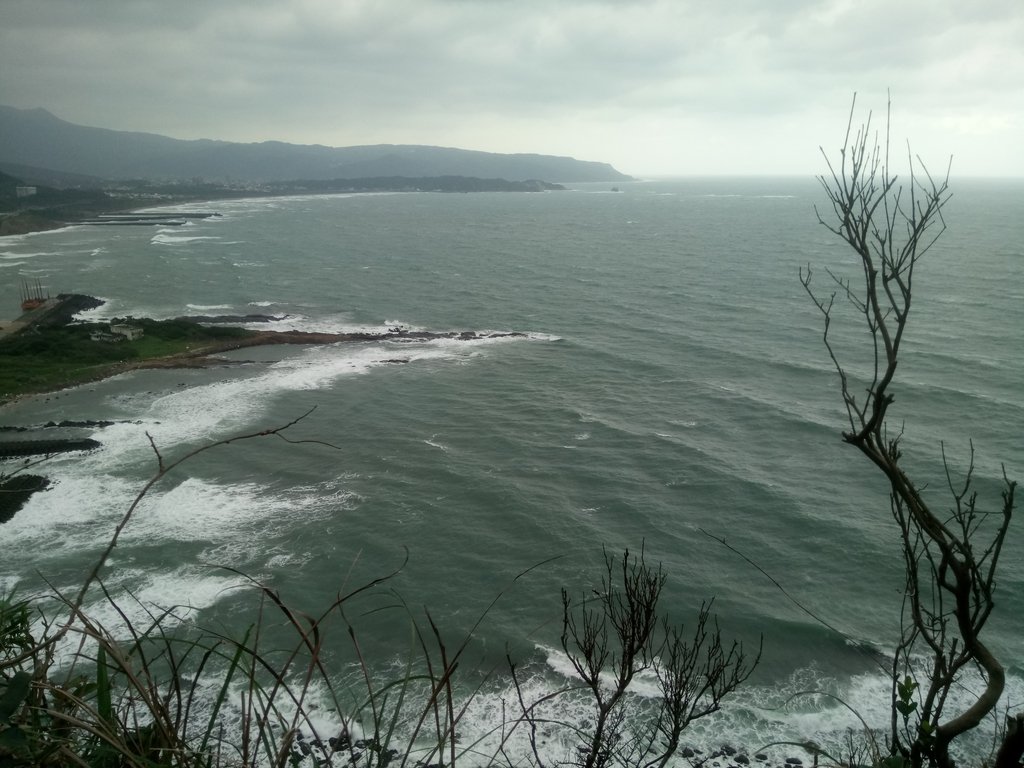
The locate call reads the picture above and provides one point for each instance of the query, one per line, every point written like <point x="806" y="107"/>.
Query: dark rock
<point x="87" y="423"/>
<point x="794" y="761"/>
<point x="727" y="750"/>
<point x="761" y="756"/>
<point x="742" y="759"/>
<point x="69" y="305"/>
<point x="687" y="752"/>
<point x="70" y="424"/>
<point x="16" y="490"/>
<point x="11" y="448"/>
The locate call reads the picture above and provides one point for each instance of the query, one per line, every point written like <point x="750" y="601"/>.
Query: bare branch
<point x="950" y="576"/>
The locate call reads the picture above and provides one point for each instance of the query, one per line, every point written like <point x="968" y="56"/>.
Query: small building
<point x="125" y="331"/>
<point x="24" y="191"/>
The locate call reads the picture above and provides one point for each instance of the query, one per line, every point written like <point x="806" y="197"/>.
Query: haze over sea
<point x="672" y="380"/>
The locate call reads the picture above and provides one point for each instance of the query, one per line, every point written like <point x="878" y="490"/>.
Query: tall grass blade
<point x="223" y="692"/>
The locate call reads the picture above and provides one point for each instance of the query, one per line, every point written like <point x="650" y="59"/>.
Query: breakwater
<point x="172" y="219"/>
<point x="17" y="448"/>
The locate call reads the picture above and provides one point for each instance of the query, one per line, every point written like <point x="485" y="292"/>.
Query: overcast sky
<point x="655" y="87"/>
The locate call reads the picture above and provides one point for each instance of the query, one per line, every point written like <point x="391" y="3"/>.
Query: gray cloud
<point x="670" y="86"/>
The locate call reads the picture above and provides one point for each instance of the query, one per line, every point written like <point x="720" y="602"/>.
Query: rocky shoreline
<point x="204" y="357"/>
<point x="17" y="491"/>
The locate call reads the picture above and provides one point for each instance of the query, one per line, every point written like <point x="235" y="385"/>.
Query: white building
<point x="129" y="332"/>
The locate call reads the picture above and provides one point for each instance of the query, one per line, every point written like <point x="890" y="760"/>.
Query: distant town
<point x="30" y="208"/>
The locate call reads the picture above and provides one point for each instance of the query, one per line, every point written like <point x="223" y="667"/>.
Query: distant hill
<point x="38" y="139"/>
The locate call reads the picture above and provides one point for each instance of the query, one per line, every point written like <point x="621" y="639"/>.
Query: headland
<point x="47" y="349"/>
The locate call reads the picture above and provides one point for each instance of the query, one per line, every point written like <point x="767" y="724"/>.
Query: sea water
<point x="670" y="389"/>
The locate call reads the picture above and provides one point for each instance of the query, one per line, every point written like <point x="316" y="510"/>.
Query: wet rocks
<point x="16" y="490"/>
<point x="15" y="448"/>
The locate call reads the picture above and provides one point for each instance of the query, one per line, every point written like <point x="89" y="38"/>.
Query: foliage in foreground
<point x="951" y="555"/>
<point x="74" y="692"/>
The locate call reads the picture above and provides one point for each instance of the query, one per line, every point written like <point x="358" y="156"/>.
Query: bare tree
<point x="951" y="554"/>
<point x="617" y="633"/>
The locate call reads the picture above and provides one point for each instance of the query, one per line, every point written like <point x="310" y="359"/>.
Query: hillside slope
<point x="34" y="137"/>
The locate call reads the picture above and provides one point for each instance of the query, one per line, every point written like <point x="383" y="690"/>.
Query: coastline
<point x="16" y="224"/>
<point x="28" y="220"/>
<point x="17" y="488"/>
<point x="204" y="356"/>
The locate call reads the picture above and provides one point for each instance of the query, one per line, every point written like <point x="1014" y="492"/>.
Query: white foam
<point x="493" y="711"/>
<point x="41" y="233"/>
<point x="208" y="307"/>
<point x="300" y="322"/>
<point x="317" y="723"/>
<point x="107" y="310"/>
<point x="198" y="510"/>
<point x="166" y="239"/>
<point x="140" y="597"/>
<point x="434" y="444"/>
<point x="814" y="706"/>
<point x="186" y="416"/>
<point x="77" y="513"/>
<point x="26" y="255"/>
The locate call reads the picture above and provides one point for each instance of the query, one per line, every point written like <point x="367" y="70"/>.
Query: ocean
<point x="671" y="389"/>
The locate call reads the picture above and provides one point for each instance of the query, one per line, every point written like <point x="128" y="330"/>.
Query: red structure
<point x="32" y="296"/>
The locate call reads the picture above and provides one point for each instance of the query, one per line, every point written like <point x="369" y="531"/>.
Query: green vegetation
<point x="45" y="358"/>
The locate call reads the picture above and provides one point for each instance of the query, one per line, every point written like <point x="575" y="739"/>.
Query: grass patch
<point x="40" y="359"/>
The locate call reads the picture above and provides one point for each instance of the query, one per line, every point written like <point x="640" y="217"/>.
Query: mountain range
<point x="36" y="144"/>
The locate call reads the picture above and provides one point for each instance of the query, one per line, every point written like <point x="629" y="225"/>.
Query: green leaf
<point x="222" y="694"/>
<point x="905" y="709"/>
<point x="104" y="705"/>
<point x="906" y="688"/>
